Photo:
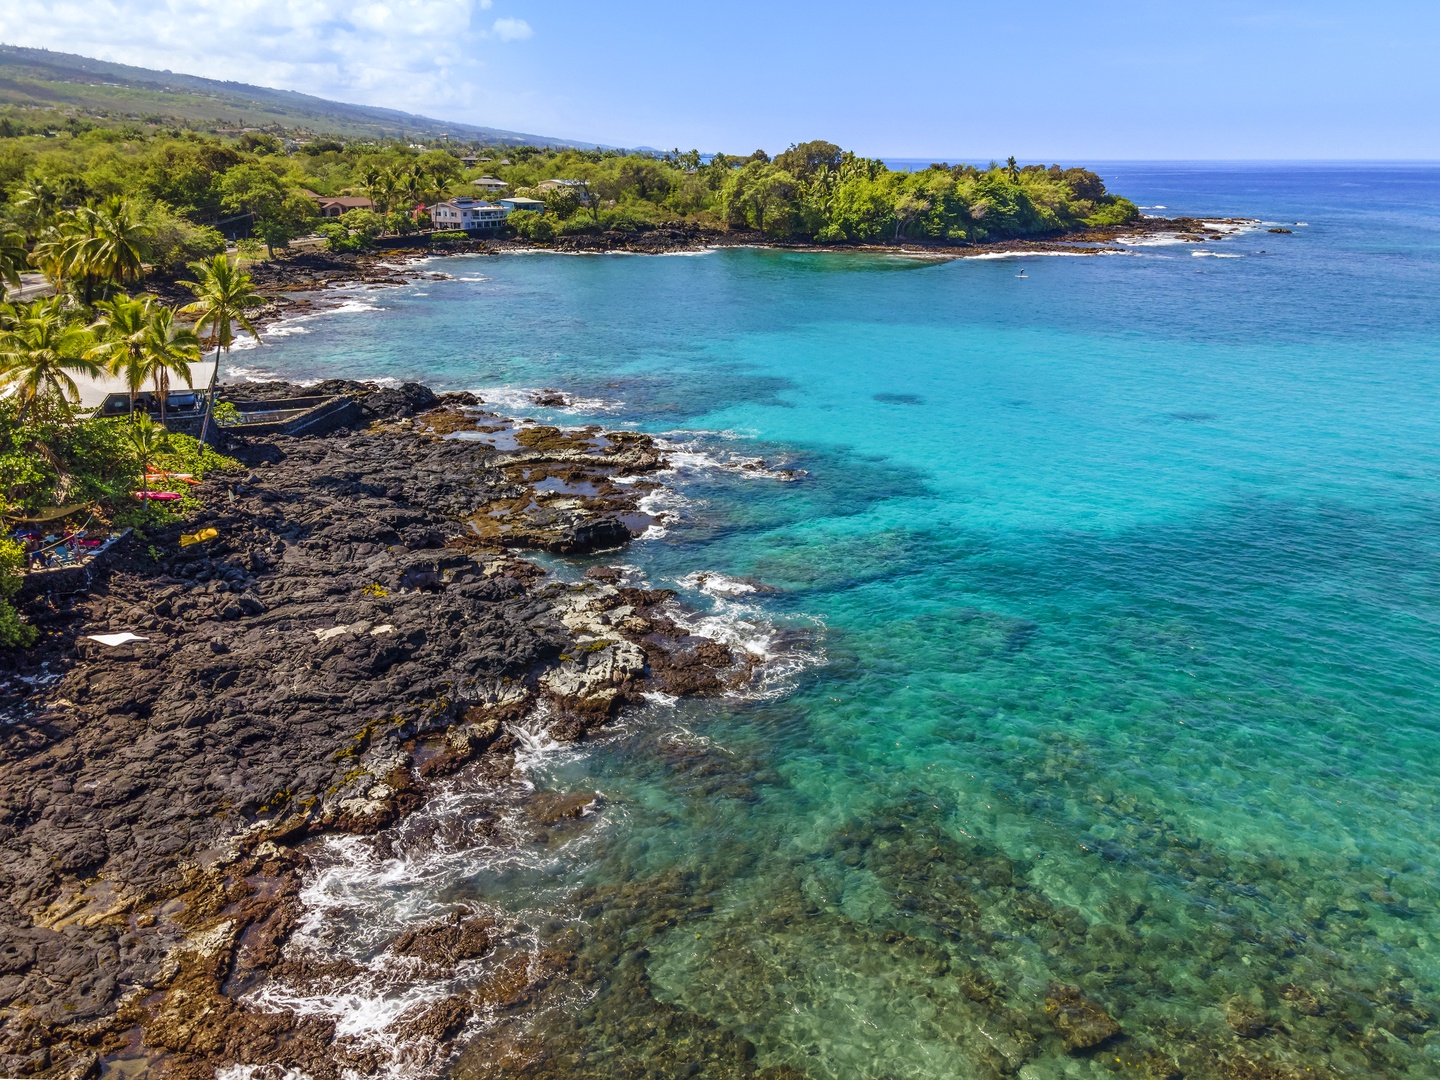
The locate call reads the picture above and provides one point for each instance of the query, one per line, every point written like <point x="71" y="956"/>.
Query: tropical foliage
<point x="41" y="350"/>
<point x="13" y="631"/>
<point x="48" y="458"/>
<point x="180" y="191"/>
<point x="139" y="341"/>
<point x="224" y="296"/>
<point x="814" y="191"/>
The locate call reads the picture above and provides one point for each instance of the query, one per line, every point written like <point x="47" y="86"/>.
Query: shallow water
<point x="1104" y="633"/>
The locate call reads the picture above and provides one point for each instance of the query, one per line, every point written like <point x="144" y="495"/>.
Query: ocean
<point x="1097" y="621"/>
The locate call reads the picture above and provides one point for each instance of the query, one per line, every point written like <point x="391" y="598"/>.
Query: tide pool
<point x="1102" y="649"/>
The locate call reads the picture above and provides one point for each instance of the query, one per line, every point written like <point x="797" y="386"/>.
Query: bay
<point x="1101" y="628"/>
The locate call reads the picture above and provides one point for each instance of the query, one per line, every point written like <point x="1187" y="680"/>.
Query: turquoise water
<point x="1105" y="639"/>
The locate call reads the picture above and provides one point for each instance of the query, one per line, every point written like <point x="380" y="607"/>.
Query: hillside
<point x="42" y="87"/>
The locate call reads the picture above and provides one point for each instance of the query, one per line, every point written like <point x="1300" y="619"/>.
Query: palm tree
<point x="121" y="329"/>
<point x="68" y="248"/>
<point x="415" y="186"/>
<point x="39" y="350"/>
<point x="384" y="191"/>
<point x="370" y="181"/>
<point x="168" y="348"/>
<point x="52" y="252"/>
<point x="13" y="256"/>
<point x="436" y="184"/>
<point x="106" y="242"/>
<point x="222" y="296"/>
<point x="37" y="203"/>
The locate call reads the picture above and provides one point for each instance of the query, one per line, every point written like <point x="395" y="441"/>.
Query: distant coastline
<point x="297" y="283"/>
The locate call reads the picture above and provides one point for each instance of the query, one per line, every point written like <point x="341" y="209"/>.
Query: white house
<point x="490" y="185"/>
<point x="471" y="215"/>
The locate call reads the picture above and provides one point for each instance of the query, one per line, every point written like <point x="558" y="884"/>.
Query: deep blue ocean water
<point x="1103" y="644"/>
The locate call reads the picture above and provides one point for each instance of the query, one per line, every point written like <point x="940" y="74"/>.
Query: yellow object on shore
<point x="186" y="539"/>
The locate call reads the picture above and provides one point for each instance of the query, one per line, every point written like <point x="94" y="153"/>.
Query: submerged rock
<point x="1245" y="1018"/>
<point x="443" y="945"/>
<point x="1080" y="1022"/>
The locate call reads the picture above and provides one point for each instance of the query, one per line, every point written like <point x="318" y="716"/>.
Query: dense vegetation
<point x="186" y="189"/>
<point x="51" y="459"/>
<point x="57" y="467"/>
<point x="816" y="191"/>
<point x="98" y="209"/>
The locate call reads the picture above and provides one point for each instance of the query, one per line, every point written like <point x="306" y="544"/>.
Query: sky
<point x="1043" y="80"/>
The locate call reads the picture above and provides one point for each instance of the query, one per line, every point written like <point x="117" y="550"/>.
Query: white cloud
<point x="512" y="29"/>
<point x="424" y="56"/>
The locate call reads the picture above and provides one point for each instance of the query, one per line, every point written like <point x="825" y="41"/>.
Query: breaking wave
<point x="518" y="401"/>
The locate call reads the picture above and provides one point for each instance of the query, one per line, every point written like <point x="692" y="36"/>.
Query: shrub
<point x="531" y="226"/>
<point x="14" y="631"/>
<point x="353" y="231"/>
<point x="175" y="242"/>
<point x="1116" y="210"/>
<point x="336" y="235"/>
<point x="623" y="219"/>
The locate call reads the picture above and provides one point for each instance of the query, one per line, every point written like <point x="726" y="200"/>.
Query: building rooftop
<point x="468" y="202"/>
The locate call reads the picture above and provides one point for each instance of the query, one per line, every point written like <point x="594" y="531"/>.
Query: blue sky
<point x="1043" y="79"/>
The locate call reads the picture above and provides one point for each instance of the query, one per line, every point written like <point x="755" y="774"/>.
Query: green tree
<point x="224" y="294"/>
<point x="382" y="186"/>
<point x="14" y="632"/>
<point x="169" y="347"/>
<point x="588" y="196"/>
<point x="139" y="341"/>
<point x="803" y="160"/>
<point x="148" y="439"/>
<point x="361" y="227"/>
<point x="562" y="202"/>
<point x="531" y="226"/>
<point x="908" y="207"/>
<point x="278" y="212"/>
<point x="415" y="185"/>
<point x="185" y="174"/>
<point x="39" y="350"/>
<point x="443" y="169"/>
<point x="120" y="329"/>
<point x="36" y="204"/>
<point x="370" y="182"/>
<point x="13" y="256"/>
<point x="642" y="177"/>
<point x="176" y="241"/>
<point x="108" y="244"/>
<point x="62" y="252"/>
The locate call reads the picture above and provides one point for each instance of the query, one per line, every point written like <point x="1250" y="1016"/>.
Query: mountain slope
<point x="41" y="79"/>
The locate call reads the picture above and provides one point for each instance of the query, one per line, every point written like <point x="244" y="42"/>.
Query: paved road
<point x="31" y="286"/>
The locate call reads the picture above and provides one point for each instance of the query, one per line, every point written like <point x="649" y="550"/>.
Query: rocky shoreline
<point x="363" y="624"/>
<point x="296" y="284"/>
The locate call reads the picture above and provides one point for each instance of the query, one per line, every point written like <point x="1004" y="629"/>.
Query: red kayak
<point x="158" y="496"/>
